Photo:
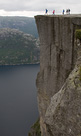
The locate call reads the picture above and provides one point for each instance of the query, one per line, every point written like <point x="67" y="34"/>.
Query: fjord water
<point x="18" y="99"/>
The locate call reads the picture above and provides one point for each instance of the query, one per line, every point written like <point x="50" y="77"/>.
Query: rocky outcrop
<point x="59" y="110"/>
<point x="63" y="116"/>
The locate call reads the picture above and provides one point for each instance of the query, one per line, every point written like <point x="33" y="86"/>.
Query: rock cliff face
<point x="58" y="82"/>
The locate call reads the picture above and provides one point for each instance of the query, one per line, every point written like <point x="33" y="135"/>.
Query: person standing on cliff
<point x="63" y="11"/>
<point x="67" y="11"/>
<point x="46" y="11"/>
<point x="53" y="12"/>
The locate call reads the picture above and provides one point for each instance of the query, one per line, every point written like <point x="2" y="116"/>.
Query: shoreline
<point x="19" y="64"/>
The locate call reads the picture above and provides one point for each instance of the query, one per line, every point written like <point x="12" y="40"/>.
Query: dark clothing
<point x="46" y="11"/>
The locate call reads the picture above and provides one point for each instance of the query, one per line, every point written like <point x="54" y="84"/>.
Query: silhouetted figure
<point x="67" y="11"/>
<point x="46" y="11"/>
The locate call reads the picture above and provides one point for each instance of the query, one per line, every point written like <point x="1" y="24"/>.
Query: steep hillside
<point x="24" y="24"/>
<point x="17" y="47"/>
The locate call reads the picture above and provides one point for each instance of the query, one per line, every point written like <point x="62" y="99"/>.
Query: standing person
<point x="69" y="11"/>
<point x="66" y="11"/>
<point x="53" y="11"/>
<point x="63" y="11"/>
<point x="46" y="11"/>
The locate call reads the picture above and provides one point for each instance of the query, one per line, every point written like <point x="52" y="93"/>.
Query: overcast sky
<point x="34" y="7"/>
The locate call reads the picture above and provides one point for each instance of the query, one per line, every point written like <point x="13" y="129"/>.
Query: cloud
<point x="20" y="13"/>
<point x="40" y="5"/>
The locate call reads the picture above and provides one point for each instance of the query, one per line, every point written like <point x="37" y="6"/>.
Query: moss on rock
<point x="35" y="129"/>
<point x="78" y="34"/>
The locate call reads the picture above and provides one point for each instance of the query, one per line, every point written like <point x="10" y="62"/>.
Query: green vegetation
<point x="80" y="73"/>
<point x="17" y="47"/>
<point x="35" y="129"/>
<point x="78" y="34"/>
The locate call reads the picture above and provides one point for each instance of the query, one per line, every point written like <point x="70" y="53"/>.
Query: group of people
<point x="67" y="11"/>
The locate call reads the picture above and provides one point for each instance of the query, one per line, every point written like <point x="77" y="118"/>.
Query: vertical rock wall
<point x="57" y="57"/>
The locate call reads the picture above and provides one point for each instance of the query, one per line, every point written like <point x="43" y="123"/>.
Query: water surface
<point x="18" y="99"/>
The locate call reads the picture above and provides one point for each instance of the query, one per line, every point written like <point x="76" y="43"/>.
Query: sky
<point x="31" y="8"/>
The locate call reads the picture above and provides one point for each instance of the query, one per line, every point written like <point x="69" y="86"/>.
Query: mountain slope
<point x="17" y="47"/>
<point x="24" y="24"/>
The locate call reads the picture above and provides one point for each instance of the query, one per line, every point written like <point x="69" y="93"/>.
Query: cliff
<point x="58" y="82"/>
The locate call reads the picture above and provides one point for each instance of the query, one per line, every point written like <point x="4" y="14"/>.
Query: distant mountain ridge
<point x="25" y="24"/>
<point x="17" y="47"/>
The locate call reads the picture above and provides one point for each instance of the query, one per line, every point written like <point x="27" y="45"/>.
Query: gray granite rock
<point x="58" y="54"/>
<point x="63" y="116"/>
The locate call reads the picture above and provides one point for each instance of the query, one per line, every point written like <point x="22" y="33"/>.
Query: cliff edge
<point x="58" y="82"/>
